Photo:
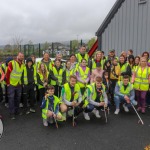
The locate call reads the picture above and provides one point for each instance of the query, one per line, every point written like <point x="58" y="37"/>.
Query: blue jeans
<point x="14" y="96"/>
<point x="119" y="99"/>
<point x="89" y="108"/>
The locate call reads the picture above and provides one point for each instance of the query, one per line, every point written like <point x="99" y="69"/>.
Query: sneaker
<point x="12" y="117"/>
<point x="45" y="123"/>
<point x="27" y="112"/>
<point x="125" y="108"/>
<point x="86" y="116"/>
<point x="96" y="112"/>
<point x="117" y="111"/>
<point x="134" y="103"/>
<point x="32" y="110"/>
<point x="21" y="105"/>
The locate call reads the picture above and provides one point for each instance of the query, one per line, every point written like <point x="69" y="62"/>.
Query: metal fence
<point x="65" y="48"/>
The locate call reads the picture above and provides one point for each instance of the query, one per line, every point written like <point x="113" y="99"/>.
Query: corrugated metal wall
<point x="128" y="29"/>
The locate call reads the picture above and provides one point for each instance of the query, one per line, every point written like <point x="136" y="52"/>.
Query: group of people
<point x="78" y="85"/>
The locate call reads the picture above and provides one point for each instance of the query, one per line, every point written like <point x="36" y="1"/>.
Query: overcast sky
<point x="51" y="20"/>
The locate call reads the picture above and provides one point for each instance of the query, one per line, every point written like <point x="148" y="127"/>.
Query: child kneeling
<point x="50" y="107"/>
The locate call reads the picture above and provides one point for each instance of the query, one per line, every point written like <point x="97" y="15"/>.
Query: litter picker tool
<point x="140" y="119"/>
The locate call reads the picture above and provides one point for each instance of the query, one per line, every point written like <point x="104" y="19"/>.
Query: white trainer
<point x="134" y="103"/>
<point x="45" y="123"/>
<point x="117" y="111"/>
<point x="86" y="116"/>
<point x="96" y="112"/>
<point x="125" y="108"/>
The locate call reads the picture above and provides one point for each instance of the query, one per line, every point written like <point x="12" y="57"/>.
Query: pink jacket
<point x="96" y="73"/>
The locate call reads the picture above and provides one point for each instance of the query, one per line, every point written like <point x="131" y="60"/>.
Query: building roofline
<point x="110" y="15"/>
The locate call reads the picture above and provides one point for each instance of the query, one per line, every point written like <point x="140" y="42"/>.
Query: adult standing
<point x="98" y="59"/>
<point x="13" y="81"/>
<point x="29" y="80"/>
<point x="114" y="76"/>
<point x="141" y="80"/>
<point x="82" y="54"/>
<point x="146" y="55"/>
<point x="73" y="62"/>
<point x="47" y="61"/>
<point x="83" y="75"/>
<point x="111" y="55"/>
<point x="125" y="67"/>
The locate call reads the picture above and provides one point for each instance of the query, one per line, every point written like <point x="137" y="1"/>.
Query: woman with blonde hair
<point x="141" y="80"/>
<point x="42" y="80"/>
<point x="98" y="58"/>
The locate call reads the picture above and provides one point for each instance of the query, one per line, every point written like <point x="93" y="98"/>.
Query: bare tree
<point x="17" y="41"/>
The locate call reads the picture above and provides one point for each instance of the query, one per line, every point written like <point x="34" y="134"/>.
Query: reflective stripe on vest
<point x="15" y="75"/>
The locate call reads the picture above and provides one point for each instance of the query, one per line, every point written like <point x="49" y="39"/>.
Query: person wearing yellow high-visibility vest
<point x="50" y="106"/>
<point x="98" y="59"/>
<point x="2" y="75"/>
<point x="47" y="61"/>
<point x="141" y="80"/>
<point x="83" y="75"/>
<point x="29" y="80"/>
<point x="124" y="92"/>
<point x="82" y="54"/>
<point x="67" y="72"/>
<point x="74" y="64"/>
<point x="35" y="64"/>
<point x="55" y="76"/>
<point x="42" y="80"/>
<point x="125" y="68"/>
<point x="4" y="68"/>
<point x="111" y="55"/>
<point x="13" y="81"/>
<point x="97" y="98"/>
<point x="70" y="96"/>
<point x="60" y="57"/>
<point x="131" y="61"/>
<point x="146" y="55"/>
<point x="114" y="76"/>
<point x="136" y="63"/>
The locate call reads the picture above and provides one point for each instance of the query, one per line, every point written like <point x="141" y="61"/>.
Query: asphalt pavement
<point x="122" y="132"/>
